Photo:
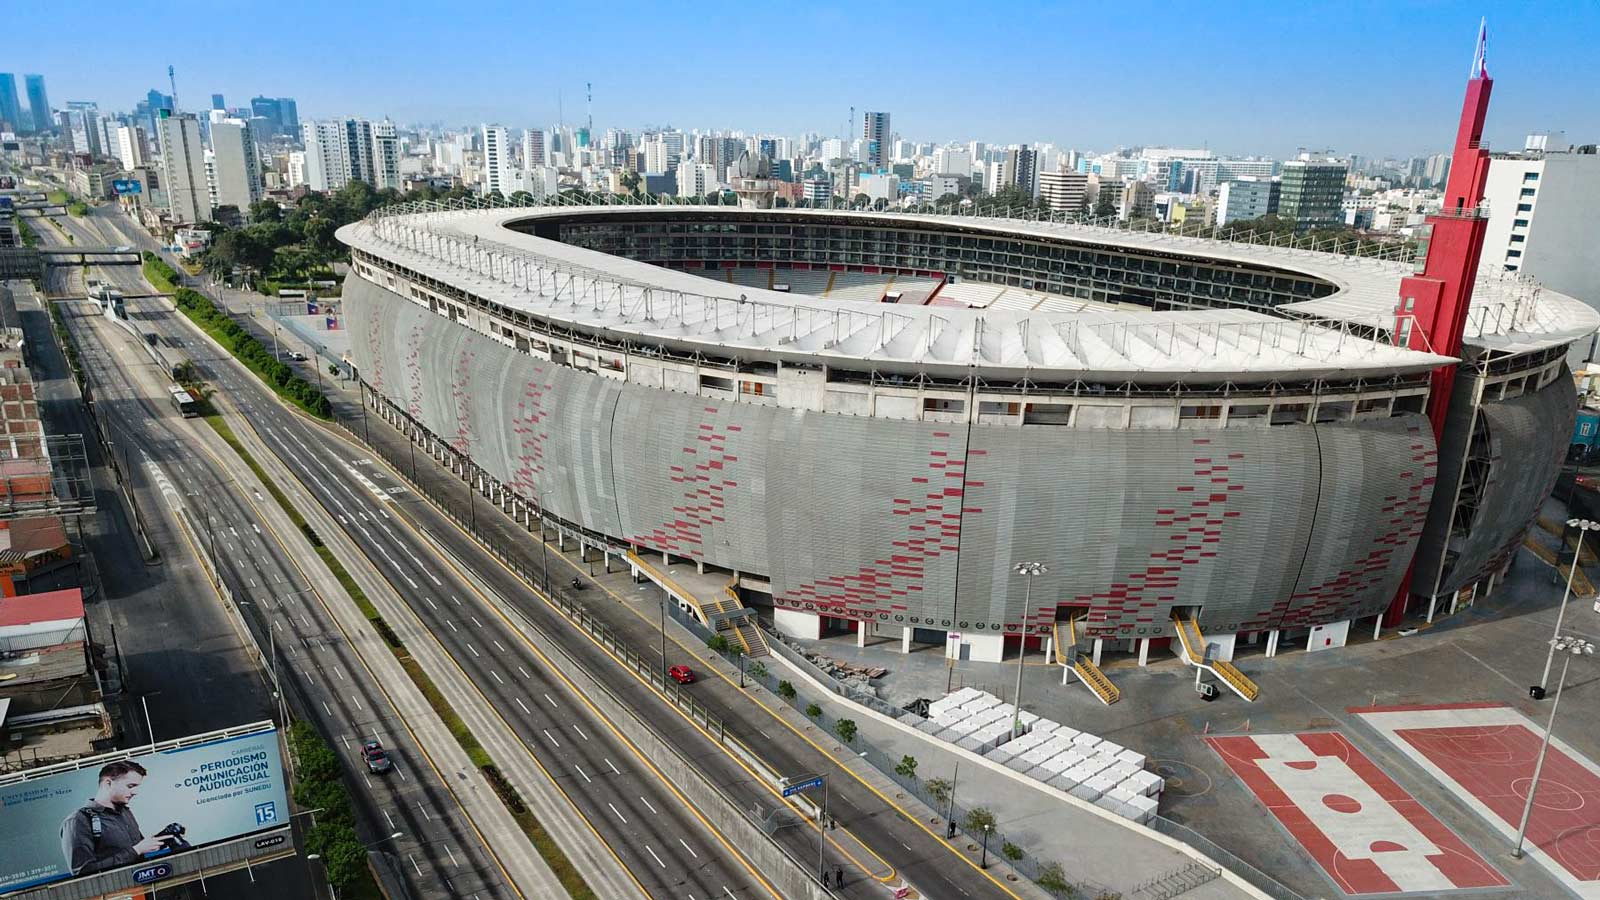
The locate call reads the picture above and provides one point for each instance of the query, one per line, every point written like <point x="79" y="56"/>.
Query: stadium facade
<point x="872" y="417"/>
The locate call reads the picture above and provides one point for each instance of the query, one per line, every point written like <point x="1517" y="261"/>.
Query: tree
<point x="978" y="818"/>
<point x="906" y="768"/>
<point x="758" y="671"/>
<point x="1054" y="880"/>
<point x="938" y="791"/>
<point x="813" y="710"/>
<point x="1011" y="851"/>
<point x="846" y="730"/>
<point x="629" y="182"/>
<point x="1103" y="207"/>
<point x="948" y="200"/>
<point x="718" y="643"/>
<point x="266" y="211"/>
<point x="860" y="200"/>
<point x="786" y="690"/>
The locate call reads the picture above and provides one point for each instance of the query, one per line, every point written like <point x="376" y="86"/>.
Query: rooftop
<point x="476" y="249"/>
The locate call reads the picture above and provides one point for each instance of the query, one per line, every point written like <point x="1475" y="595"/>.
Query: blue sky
<point x="1369" y="77"/>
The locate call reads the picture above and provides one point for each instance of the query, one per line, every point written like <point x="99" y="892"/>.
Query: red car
<point x="681" y="674"/>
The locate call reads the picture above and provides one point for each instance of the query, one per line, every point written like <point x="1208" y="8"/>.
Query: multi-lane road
<point x="661" y="842"/>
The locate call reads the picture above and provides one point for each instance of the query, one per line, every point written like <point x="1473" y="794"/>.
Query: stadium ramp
<point x="1194" y="653"/>
<point x="1069" y="655"/>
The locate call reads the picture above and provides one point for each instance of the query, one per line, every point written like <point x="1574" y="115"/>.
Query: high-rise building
<point x="80" y="125"/>
<point x="1138" y="201"/>
<point x="1312" y="192"/>
<point x="289" y="114"/>
<point x="875" y="136"/>
<point x="129" y="146"/>
<point x="533" y="148"/>
<point x="496" y="159"/>
<point x="236" y="165"/>
<point x="38" y="103"/>
<point x="1243" y="199"/>
<point x="952" y="161"/>
<point x="817" y="190"/>
<point x="216" y="102"/>
<point x="385" y="156"/>
<point x="325" y="166"/>
<point x="1065" y="191"/>
<point x="1022" y="170"/>
<point x="356" y="134"/>
<point x="1542" y="219"/>
<point x="656" y="158"/>
<point x="268" y="108"/>
<point x="1436" y="170"/>
<point x="11" y="107"/>
<point x="183" y="167"/>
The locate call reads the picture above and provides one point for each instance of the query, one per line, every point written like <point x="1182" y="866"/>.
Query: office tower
<point x="1064" y="190"/>
<point x="656" y="158"/>
<point x="495" y="162"/>
<point x="236" y="165"/>
<point x="875" y="138"/>
<point x="356" y="135"/>
<point x="533" y="152"/>
<point x="80" y="125"/>
<point x="1246" y="198"/>
<point x="11" y="107"/>
<point x="325" y="167"/>
<point x="183" y="168"/>
<point x="128" y="146"/>
<point x="1542" y="218"/>
<point x="268" y="108"/>
<point x="1436" y="169"/>
<point x="1312" y="192"/>
<point x="385" y="156"/>
<point x="216" y="102"/>
<point x="289" y="115"/>
<point x="952" y="161"/>
<point x="38" y="103"/>
<point x="1022" y="170"/>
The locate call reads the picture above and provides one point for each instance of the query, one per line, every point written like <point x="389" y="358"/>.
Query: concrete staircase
<point x="744" y="629"/>
<point x="1194" y="653"/>
<point x="1082" y="664"/>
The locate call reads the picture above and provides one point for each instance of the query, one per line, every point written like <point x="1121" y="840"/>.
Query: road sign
<point x="804" y="783"/>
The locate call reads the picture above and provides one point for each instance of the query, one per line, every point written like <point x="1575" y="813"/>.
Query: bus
<point x="183" y="402"/>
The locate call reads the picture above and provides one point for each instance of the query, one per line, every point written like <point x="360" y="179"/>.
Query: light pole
<point x="1571" y="645"/>
<point x="1584" y="526"/>
<point x="1027" y="570"/>
<point x="986" y="829"/>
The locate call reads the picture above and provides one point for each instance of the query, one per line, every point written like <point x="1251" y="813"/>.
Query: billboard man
<point x="103" y="834"/>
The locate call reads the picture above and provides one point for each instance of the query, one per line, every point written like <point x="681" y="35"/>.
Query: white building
<point x="696" y="179"/>
<point x="326" y="168"/>
<point x="879" y="186"/>
<point x="533" y="148"/>
<point x="129" y="146"/>
<point x="1544" y="221"/>
<point x="236" y="165"/>
<point x="657" y="158"/>
<point x="1064" y="190"/>
<point x="496" y="159"/>
<point x="1235" y="169"/>
<point x="297" y="168"/>
<point x="385" y="156"/>
<point x="183" y="167"/>
<point x="952" y="161"/>
<point x="936" y="186"/>
<point x="1244" y="198"/>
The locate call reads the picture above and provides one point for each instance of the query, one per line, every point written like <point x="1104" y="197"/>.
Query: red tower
<point x="1432" y="311"/>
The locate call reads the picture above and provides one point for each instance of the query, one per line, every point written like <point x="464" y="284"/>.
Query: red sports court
<point x="1363" y="829"/>
<point x="1486" y="752"/>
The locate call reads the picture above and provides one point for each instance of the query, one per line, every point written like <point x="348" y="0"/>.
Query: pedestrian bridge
<point x="85" y="256"/>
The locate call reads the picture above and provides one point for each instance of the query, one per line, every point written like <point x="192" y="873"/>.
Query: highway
<point x="662" y="843"/>
<point x="900" y="843"/>
<point x="437" y="851"/>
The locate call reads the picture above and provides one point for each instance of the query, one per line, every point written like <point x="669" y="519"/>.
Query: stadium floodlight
<point x="1571" y="645"/>
<point x="1584" y="526"/>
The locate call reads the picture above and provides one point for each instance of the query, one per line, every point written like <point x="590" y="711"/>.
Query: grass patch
<point x="69" y="347"/>
<point x="58" y="198"/>
<point x="77" y="208"/>
<point x="549" y="850"/>
<point x="30" y="238"/>
<point x="160" y="275"/>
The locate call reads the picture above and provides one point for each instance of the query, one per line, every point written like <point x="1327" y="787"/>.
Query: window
<point x="1528" y="192"/>
<point x="1519" y="223"/>
<point x="1513" y="253"/>
<point x="1524" y="207"/>
<point x="1518" y="238"/>
<point x="1530" y="176"/>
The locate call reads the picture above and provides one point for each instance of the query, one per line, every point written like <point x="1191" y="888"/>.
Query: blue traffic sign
<point x="798" y="786"/>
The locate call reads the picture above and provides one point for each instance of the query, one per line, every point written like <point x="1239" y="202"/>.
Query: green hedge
<point x="160" y="275"/>
<point x="256" y="357"/>
<point x="319" y="785"/>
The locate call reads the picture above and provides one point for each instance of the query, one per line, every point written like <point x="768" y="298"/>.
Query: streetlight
<point x="1572" y="645"/>
<point x="986" y="829"/>
<point x="1584" y="526"/>
<point x="1026" y="570"/>
<point x="396" y="836"/>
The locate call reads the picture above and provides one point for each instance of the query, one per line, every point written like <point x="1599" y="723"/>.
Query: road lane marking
<point x="496" y="676"/>
<point x="619" y="814"/>
<point x="418" y="869"/>
<point x="653" y="854"/>
<point x="452" y="856"/>
<point x="475" y="621"/>
<point x="474" y="652"/>
<point x="583" y="773"/>
<point x="430" y="604"/>
<point x="613" y="766"/>
<point x="357" y="702"/>
<point x="552" y="702"/>
<point x="550" y="736"/>
<point x="499" y="646"/>
<point x="452" y="625"/>
<point x="524" y="706"/>
<point x="689" y="848"/>
<point x="652" y="808"/>
<point x="524" y="672"/>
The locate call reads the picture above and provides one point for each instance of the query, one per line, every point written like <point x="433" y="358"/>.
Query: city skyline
<point x="1396" y="68"/>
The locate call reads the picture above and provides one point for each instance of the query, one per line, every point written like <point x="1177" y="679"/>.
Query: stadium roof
<point x="592" y="291"/>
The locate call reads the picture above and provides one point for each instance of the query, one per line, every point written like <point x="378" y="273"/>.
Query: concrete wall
<point x="865" y="518"/>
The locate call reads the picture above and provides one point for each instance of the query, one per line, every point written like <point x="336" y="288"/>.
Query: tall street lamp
<point x="1027" y="570"/>
<point x="1571" y="645"/>
<point x="1584" y="526"/>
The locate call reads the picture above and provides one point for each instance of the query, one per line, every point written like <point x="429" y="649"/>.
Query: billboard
<point x="139" y="811"/>
<point x="127" y="186"/>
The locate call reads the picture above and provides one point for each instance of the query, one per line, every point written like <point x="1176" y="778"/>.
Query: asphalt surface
<point x="664" y="845"/>
<point x="437" y="854"/>
<point x="930" y="863"/>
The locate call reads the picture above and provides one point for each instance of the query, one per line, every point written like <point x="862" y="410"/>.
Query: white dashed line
<point x="552" y="702"/>
<point x="619" y="814"/>
<point x="584" y="774"/>
<point x="613" y="766"/>
<point x="497" y="646"/>
<point x="652" y="854"/>
<point x="689" y="848"/>
<point x="474" y="651"/>
<point x="652" y="808"/>
<point x="496" y="676"/>
<point x="550" y="736"/>
<point x="524" y="706"/>
<point x="524" y="672"/>
<point x="580" y="733"/>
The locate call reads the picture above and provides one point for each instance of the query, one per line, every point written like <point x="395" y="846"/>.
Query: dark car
<point x="681" y="674"/>
<point x="376" y="758"/>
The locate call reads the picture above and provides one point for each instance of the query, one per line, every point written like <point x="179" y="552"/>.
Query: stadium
<point x="867" y="419"/>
